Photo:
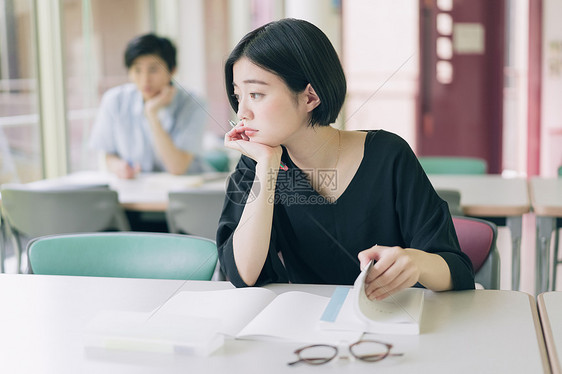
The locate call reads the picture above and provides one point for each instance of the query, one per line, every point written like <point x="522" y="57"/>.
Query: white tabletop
<point x="546" y="195"/>
<point x="487" y="194"/>
<point x="147" y="192"/>
<point x="42" y="317"/>
<point x="550" y="307"/>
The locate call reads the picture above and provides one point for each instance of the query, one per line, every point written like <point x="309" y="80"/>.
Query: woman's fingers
<point x="394" y="270"/>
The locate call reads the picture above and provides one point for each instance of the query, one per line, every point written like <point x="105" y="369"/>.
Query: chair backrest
<point x="453" y="199"/>
<point x="477" y="239"/>
<point x="218" y="159"/>
<point x="453" y="165"/>
<point x="560" y="171"/>
<point x="34" y="212"/>
<point x="124" y="255"/>
<point x="195" y="212"/>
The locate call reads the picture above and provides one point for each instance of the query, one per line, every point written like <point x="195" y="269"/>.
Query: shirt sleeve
<point x="425" y="220"/>
<point x="189" y="126"/>
<point x="101" y="137"/>
<point x="239" y="194"/>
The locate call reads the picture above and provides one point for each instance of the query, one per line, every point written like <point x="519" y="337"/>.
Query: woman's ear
<point x="312" y="99"/>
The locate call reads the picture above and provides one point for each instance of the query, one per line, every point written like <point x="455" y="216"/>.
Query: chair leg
<point x="2" y="249"/>
<point x="555" y="260"/>
<point x="17" y="249"/>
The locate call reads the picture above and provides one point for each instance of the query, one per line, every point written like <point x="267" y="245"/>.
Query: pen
<point x="282" y="165"/>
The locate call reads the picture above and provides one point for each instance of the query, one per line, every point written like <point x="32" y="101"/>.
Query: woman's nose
<point x="243" y="111"/>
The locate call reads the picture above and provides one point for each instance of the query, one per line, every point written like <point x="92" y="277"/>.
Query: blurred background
<point x="479" y="78"/>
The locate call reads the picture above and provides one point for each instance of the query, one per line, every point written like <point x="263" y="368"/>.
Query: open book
<point x="351" y="310"/>
<point x="258" y="313"/>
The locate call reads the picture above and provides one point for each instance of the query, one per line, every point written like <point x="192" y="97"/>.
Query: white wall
<point x="380" y="56"/>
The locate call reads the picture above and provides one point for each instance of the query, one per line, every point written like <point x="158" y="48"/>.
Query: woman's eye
<point x="255" y="95"/>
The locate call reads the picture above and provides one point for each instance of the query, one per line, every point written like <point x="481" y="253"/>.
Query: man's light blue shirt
<point x="122" y="129"/>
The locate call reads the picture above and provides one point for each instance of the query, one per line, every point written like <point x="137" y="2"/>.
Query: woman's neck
<point x="315" y="147"/>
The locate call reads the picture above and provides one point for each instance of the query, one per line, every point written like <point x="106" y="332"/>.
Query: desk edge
<point x="546" y="329"/>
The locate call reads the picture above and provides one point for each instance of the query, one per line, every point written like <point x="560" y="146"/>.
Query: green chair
<point x="124" y="255"/>
<point x="218" y="159"/>
<point x="196" y="212"/>
<point x="453" y="165"/>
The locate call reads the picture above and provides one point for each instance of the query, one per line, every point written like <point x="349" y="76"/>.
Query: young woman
<point x="309" y="203"/>
<point x="149" y="124"/>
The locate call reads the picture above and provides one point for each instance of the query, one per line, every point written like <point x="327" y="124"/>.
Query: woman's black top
<point x="390" y="202"/>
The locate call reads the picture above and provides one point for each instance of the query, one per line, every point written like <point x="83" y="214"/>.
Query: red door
<point x="461" y="79"/>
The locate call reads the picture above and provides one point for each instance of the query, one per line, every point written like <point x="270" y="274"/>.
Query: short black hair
<point x="151" y="44"/>
<point x="299" y="53"/>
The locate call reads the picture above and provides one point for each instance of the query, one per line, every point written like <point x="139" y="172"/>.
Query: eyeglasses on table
<point x="364" y="350"/>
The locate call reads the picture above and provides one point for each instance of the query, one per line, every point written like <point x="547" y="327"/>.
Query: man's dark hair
<point x="151" y="44"/>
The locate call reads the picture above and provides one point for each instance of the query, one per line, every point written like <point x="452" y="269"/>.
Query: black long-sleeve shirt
<point x="390" y="201"/>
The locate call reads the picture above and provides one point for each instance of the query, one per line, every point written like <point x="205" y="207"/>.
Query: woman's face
<point x="150" y="74"/>
<point x="270" y="111"/>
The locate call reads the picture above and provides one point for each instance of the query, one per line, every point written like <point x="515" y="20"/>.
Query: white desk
<point x="491" y="196"/>
<point x="148" y="192"/>
<point x="550" y="306"/>
<point x="546" y="195"/>
<point x="41" y="319"/>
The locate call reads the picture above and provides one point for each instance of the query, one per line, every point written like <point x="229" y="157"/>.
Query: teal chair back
<point x="218" y="159"/>
<point x="124" y="255"/>
<point x="560" y="171"/>
<point x="453" y="165"/>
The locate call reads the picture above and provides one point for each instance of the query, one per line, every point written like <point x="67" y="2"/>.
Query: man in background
<point x="150" y="124"/>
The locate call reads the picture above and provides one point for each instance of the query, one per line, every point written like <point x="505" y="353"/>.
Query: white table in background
<point x="546" y="197"/>
<point x="42" y="317"/>
<point x="550" y="309"/>
<point x="148" y="192"/>
<point x="492" y="196"/>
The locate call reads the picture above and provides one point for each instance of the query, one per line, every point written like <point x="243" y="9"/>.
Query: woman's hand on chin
<point x="237" y="140"/>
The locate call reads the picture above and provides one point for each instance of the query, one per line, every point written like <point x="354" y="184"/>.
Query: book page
<point x="232" y="308"/>
<point x="399" y="313"/>
<point x="402" y="307"/>
<point x="293" y="316"/>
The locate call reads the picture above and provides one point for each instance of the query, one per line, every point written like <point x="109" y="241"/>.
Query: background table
<point x="546" y="197"/>
<point x="550" y="307"/>
<point x="148" y="192"/>
<point x="492" y="197"/>
<point x="42" y="317"/>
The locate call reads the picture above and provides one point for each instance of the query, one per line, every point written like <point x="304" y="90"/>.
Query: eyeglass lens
<point x="369" y="350"/>
<point x="317" y="354"/>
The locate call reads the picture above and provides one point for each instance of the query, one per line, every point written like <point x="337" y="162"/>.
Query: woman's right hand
<point x="236" y="139"/>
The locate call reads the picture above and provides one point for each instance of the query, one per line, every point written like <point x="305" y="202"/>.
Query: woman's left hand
<point x="394" y="269"/>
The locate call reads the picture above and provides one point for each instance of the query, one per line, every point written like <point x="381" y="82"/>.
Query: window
<point x="20" y="145"/>
<point x="95" y="36"/>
